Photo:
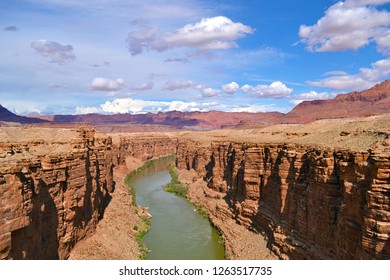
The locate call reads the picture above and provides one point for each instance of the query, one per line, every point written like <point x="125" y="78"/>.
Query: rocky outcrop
<point x="53" y="193"/>
<point x="310" y="202"/>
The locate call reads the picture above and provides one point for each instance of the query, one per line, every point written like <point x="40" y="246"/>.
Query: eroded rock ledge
<point x="310" y="202"/>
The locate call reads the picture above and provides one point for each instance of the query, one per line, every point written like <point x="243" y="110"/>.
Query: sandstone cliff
<point x="54" y="185"/>
<point x="310" y="202"/>
<point x="142" y="146"/>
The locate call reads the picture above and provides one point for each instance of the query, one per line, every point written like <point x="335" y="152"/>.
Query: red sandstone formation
<point x="144" y="147"/>
<point x="312" y="203"/>
<point x="374" y="101"/>
<point x="53" y="192"/>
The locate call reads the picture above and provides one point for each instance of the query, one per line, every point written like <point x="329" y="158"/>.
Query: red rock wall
<point x="144" y="148"/>
<point x="50" y="202"/>
<point x="312" y="203"/>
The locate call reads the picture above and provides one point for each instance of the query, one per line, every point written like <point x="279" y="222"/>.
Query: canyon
<point x="292" y="191"/>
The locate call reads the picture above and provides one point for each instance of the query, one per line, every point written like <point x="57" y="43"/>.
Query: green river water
<point x="177" y="231"/>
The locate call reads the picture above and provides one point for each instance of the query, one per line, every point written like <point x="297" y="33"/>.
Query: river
<point x="177" y="231"/>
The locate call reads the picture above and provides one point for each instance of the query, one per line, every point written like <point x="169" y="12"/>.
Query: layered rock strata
<point x="143" y="147"/>
<point x="52" y="192"/>
<point x="310" y="202"/>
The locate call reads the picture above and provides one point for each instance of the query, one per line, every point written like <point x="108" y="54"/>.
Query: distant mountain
<point x="7" y="116"/>
<point x="374" y="101"/>
<point x="197" y="120"/>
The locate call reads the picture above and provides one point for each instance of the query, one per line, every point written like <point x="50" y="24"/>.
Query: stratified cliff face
<point x="52" y="193"/>
<point x="144" y="148"/>
<point x="311" y="202"/>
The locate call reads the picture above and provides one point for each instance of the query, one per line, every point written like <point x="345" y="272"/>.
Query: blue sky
<point x="119" y="56"/>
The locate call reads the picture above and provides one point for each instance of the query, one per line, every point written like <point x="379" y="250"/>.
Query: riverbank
<point x="116" y="234"/>
<point x="240" y="243"/>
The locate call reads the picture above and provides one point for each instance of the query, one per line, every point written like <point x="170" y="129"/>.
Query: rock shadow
<point x="39" y="239"/>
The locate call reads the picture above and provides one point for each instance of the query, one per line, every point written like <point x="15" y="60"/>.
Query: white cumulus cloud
<point x="366" y="78"/>
<point x="230" y="88"/>
<point x="104" y="84"/>
<point x="57" y="53"/>
<point x="133" y="106"/>
<point x="312" y="95"/>
<point x="274" y="90"/>
<point x="139" y="106"/>
<point x="210" y="92"/>
<point x="87" y="110"/>
<point x="349" y="25"/>
<point x="189" y="106"/>
<point x="204" y="90"/>
<point x="354" y="3"/>
<point x="208" y="34"/>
